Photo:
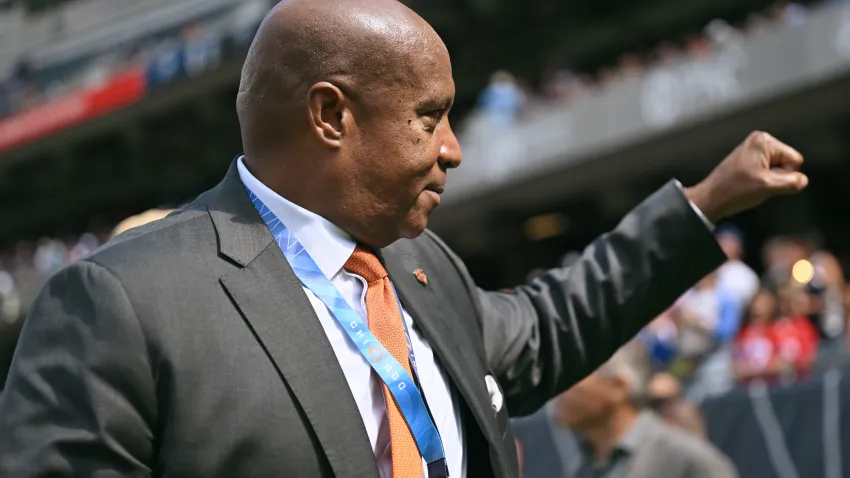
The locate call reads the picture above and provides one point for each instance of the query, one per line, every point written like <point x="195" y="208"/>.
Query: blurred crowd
<point x="25" y="267"/>
<point x="735" y="327"/>
<point x="506" y="98"/>
<point x="191" y="48"/>
<point x="733" y="330"/>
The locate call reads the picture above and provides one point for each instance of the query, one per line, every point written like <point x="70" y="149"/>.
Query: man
<point x="619" y="438"/>
<point x="734" y="275"/>
<point x="203" y="346"/>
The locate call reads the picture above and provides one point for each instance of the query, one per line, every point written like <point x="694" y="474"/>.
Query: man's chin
<point x="414" y="226"/>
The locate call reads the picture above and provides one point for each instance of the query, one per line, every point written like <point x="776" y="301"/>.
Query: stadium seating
<point x="86" y="26"/>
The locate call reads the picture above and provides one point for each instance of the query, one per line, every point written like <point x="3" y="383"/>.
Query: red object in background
<point x="792" y="340"/>
<point x="796" y="341"/>
<point x="755" y="347"/>
<point x="122" y="89"/>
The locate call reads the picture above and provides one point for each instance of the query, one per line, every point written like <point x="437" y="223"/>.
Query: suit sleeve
<point x="79" y="396"/>
<point x="549" y="334"/>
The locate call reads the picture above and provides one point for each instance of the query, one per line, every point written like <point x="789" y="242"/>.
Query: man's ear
<point x="328" y="112"/>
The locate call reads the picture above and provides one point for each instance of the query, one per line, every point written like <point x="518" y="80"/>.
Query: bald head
<point x="344" y="108"/>
<point x="360" y="46"/>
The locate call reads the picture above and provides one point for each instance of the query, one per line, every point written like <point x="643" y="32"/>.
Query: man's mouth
<point x="434" y="192"/>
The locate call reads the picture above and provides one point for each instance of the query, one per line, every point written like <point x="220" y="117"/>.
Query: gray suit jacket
<point x="661" y="450"/>
<point x="187" y="348"/>
<point x="650" y="449"/>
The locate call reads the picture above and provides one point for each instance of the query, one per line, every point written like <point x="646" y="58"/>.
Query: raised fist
<point x="759" y="168"/>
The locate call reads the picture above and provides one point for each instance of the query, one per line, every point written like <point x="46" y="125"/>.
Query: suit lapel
<point x="274" y="306"/>
<point x="447" y="340"/>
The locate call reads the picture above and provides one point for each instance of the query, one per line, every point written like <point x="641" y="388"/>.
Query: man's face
<point x="403" y="148"/>
<point x="589" y="402"/>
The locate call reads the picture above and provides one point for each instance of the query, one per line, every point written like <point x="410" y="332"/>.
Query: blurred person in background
<point x="796" y="338"/>
<point x="826" y="310"/>
<point x="662" y="389"/>
<point x="698" y="45"/>
<point x="630" y="65"/>
<point x="140" y="220"/>
<point x="85" y="245"/>
<point x="735" y="277"/>
<point x="660" y="338"/>
<point x="51" y="255"/>
<point x="779" y="255"/>
<point x="11" y="313"/>
<point x="791" y="259"/>
<point x="721" y="34"/>
<point x="10" y="301"/>
<point x="778" y="343"/>
<point x="620" y="437"/>
<point x="755" y="354"/>
<point x="502" y="100"/>
<point x="25" y="274"/>
<point x="707" y="318"/>
<point x="667" y="53"/>
<point x="789" y="13"/>
<point x="563" y="84"/>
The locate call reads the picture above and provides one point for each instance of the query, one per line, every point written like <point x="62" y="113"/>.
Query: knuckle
<point x="759" y="138"/>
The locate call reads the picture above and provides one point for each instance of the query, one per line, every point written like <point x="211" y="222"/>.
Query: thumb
<point x="786" y="182"/>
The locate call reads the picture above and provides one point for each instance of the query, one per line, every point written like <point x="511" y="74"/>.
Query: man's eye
<point x="432" y="118"/>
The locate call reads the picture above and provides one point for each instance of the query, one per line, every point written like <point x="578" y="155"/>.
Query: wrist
<point x="701" y="197"/>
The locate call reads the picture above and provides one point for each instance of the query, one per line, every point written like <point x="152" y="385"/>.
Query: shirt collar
<point x="328" y="245"/>
<point x="638" y="433"/>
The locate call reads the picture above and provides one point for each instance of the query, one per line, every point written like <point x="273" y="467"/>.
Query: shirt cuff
<point x="710" y="225"/>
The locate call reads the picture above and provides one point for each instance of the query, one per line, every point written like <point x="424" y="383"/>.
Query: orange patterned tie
<point x="384" y="320"/>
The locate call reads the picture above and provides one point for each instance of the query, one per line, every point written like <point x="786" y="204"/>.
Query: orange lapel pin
<point x="420" y="276"/>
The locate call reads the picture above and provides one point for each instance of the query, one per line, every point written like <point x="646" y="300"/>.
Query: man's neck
<point x="604" y="436"/>
<point x="286" y="181"/>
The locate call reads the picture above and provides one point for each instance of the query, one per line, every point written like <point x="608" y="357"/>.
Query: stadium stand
<point x="111" y="107"/>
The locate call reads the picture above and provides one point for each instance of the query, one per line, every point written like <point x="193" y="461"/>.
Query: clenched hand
<point x="759" y="168"/>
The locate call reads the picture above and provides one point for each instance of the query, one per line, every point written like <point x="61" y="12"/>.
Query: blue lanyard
<point x="400" y="384"/>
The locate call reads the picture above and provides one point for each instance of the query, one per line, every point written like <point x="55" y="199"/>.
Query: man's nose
<point x="450" y="153"/>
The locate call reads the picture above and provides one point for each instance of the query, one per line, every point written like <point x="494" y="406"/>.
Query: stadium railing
<point x="162" y="58"/>
<point x="755" y="70"/>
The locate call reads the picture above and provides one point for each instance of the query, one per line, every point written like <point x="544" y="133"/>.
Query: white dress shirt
<point x="330" y="247"/>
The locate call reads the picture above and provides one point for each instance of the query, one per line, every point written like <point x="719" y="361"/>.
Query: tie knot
<point x="365" y="264"/>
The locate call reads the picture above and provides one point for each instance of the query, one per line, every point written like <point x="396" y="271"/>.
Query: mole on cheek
<point x="409" y="121"/>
